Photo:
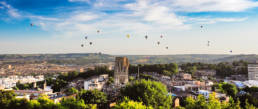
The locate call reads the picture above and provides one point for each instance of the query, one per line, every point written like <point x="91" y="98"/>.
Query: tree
<point x="214" y="103"/>
<point x="33" y="104"/>
<point x="18" y="104"/>
<point x="151" y="93"/>
<point x="130" y="104"/>
<point x="71" y="91"/>
<point x="46" y="103"/>
<point x="72" y="103"/>
<point x="229" y="89"/>
<point x="110" y="80"/>
<point x="93" y="96"/>
<point x="5" y="98"/>
<point x="248" y="106"/>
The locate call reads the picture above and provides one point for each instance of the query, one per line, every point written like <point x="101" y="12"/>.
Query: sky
<point x="59" y="26"/>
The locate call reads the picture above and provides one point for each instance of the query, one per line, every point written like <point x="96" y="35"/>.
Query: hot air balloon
<point x="128" y="35"/>
<point x="146" y="37"/>
<point x="158" y="42"/>
<point x="208" y="44"/>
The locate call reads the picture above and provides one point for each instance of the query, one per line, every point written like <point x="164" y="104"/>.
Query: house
<point x="205" y="74"/>
<point x="33" y="94"/>
<point x="96" y="82"/>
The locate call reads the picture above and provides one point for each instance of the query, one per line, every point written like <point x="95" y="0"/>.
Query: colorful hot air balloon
<point x="128" y="35"/>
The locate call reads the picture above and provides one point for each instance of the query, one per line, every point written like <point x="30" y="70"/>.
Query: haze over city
<point x="60" y="26"/>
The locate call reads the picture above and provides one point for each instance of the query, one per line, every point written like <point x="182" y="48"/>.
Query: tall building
<point x="121" y="70"/>
<point x="253" y="71"/>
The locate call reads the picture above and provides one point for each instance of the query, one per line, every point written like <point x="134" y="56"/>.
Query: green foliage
<point x="93" y="96"/>
<point x="229" y="89"/>
<point x="71" y="91"/>
<point x="5" y="98"/>
<point x="211" y="103"/>
<point x="222" y="69"/>
<point x="151" y="93"/>
<point x="46" y="103"/>
<point x="214" y="102"/>
<point x="8" y="101"/>
<point x="72" y="103"/>
<point x="248" y="106"/>
<point x="146" y="77"/>
<point x="110" y="80"/>
<point x="18" y="103"/>
<point x="23" y="86"/>
<point x="129" y="104"/>
<point x="251" y="100"/>
<point x="251" y="89"/>
<point x="165" y="69"/>
<point x="34" y="104"/>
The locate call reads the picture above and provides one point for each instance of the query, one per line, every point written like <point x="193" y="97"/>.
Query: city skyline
<point x="187" y="26"/>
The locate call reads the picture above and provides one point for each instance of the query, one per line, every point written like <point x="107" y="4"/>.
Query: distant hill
<point x="87" y="58"/>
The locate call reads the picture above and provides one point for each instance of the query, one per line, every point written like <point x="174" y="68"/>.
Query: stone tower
<point x="35" y="85"/>
<point x="45" y="85"/>
<point x="121" y="70"/>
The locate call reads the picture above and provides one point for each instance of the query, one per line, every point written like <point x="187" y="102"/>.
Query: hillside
<point x="86" y="58"/>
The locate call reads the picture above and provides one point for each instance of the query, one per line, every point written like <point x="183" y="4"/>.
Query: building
<point x="205" y="74"/>
<point x="121" y="70"/>
<point x="33" y="94"/>
<point x="96" y="82"/>
<point x="253" y="71"/>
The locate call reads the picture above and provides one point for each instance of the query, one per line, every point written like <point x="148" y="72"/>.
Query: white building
<point x="11" y="81"/>
<point x="253" y="71"/>
<point x="95" y="82"/>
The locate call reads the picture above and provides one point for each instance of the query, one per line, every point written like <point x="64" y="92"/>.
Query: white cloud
<point x="84" y="17"/>
<point x="155" y="13"/>
<point x="212" y="5"/>
<point x="208" y="20"/>
<point x="88" y="1"/>
<point x="42" y="18"/>
<point x="10" y="10"/>
<point x="140" y="17"/>
<point x="162" y="15"/>
<point x="13" y="13"/>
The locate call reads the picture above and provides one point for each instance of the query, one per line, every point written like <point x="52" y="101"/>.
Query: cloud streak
<point x="10" y="10"/>
<point x="212" y="5"/>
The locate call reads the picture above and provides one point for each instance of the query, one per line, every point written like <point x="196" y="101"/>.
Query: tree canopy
<point x="130" y="104"/>
<point x="151" y="93"/>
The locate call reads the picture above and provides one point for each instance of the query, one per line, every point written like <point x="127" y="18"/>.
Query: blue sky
<point x="60" y="26"/>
